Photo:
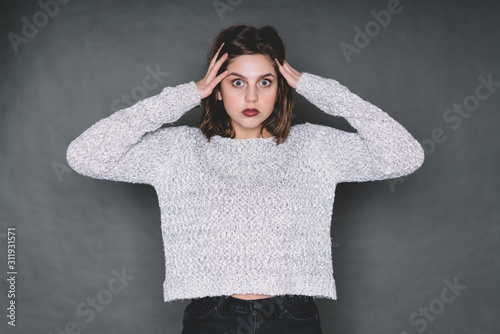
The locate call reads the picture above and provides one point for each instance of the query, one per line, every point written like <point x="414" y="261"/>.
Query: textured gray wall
<point x="399" y="245"/>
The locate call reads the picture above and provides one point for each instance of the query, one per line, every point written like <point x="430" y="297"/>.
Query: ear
<point x="219" y="96"/>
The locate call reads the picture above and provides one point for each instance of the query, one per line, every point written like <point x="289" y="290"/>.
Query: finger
<point x="291" y="69"/>
<point x="216" y="54"/>
<point x="220" y="47"/>
<point x="214" y="59"/>
<point x="277" y="62"/>
<point x="288" y="77"/>
<point x="284" y="71"/>
<point x="219" y="78"/>
<point x="216" y="81"/>
<point x="212" y="72"/>
<point x="280" y="67"/>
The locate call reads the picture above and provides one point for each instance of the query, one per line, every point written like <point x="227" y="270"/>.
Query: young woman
<point x="246" y="199"/>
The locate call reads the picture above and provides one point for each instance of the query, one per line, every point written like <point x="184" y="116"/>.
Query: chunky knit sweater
<point x="243" y="216"/>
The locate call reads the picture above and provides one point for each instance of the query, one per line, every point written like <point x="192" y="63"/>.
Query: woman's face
<point x="252" y="83"/>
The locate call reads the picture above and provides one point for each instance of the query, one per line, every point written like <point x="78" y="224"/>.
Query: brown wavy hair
<point x="248" y="40"/>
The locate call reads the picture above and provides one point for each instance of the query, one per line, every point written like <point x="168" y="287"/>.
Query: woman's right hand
<point x="208" y="83"/>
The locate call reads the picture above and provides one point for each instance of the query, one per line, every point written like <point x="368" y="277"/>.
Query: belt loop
<point x="220" y="303"/>
<point x="279" y="300"/>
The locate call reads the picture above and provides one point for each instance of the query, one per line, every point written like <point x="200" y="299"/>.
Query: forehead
<point x="251" y="65"/>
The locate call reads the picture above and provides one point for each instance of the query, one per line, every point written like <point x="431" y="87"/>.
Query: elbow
<point x="78" y="160"/>
<point x="415" y="156"/>
<point x="404" y="162"/>
<point x="412" y="159"/>
<point x="73" y="158"/>
<point x="419" y="157"/>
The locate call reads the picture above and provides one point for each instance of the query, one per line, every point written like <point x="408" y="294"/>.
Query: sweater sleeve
<point x="381" y="149"/>
<point x="127" y="146"/>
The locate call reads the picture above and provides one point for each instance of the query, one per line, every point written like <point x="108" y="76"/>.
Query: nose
<point x="251" y="95"/>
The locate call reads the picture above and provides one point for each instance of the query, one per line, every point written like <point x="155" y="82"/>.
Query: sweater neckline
<point x="244" y="145"/>
<point x="228" y="155"/>
<point x="242" y="141"/>
<point x="256" y="158"/>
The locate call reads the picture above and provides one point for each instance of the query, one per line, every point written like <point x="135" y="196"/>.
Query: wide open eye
<point x="266" y="82"/>
<point x="238" y="83"/>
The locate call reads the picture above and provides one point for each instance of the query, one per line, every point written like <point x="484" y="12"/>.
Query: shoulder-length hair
<point x="248" y="40"/>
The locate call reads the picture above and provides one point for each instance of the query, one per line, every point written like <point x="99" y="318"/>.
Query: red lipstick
<point x="250" y="112"/>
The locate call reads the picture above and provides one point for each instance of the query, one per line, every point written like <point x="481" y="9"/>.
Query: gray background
<point x="394" y="247"/>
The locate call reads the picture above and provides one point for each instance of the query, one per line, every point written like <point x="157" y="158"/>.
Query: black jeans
<point x="287" y="314"/>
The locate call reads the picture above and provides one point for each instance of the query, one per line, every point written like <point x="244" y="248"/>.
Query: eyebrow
<point x="242" y="76"/>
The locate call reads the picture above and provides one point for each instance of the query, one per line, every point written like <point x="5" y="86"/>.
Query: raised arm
<point x="381" y="149"/>
<point x="126" y="146"/>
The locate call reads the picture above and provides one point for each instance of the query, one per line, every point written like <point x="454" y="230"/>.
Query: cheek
<point x="230" y="97"/>
<point x="230" y="101"/>
<point x="271" y="95"/>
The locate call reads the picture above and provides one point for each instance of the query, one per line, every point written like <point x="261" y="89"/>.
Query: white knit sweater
<point x="246" y="215"/>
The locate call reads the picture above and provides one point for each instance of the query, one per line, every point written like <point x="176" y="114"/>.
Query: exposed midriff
<point x="250" y="296"/>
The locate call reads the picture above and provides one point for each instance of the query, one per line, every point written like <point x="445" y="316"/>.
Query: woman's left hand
<point x="291" y="75"/>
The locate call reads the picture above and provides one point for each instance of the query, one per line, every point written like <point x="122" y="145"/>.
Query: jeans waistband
<point x="275" y="304"/>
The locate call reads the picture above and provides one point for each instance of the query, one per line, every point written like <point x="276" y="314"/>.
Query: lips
<point x="250" y="112"/>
